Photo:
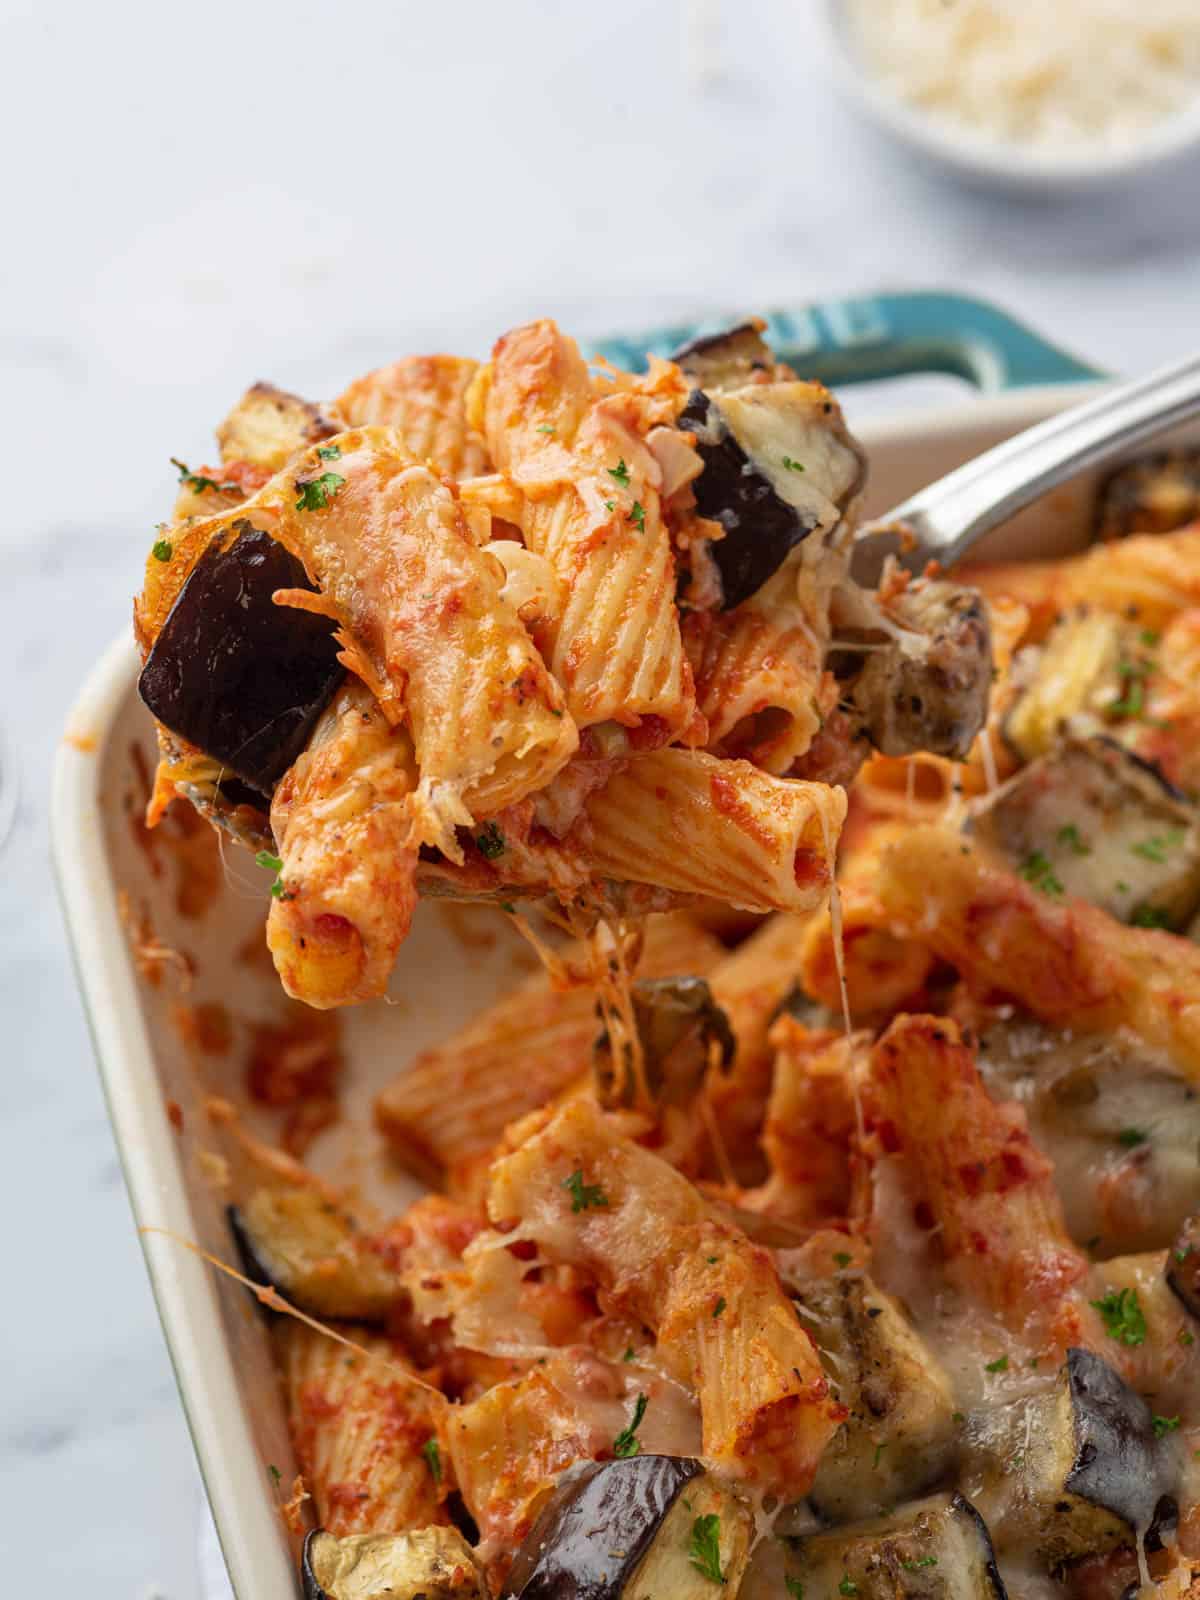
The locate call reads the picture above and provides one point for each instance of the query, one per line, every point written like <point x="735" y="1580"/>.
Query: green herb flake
<point x="626" y="1443"/>
<point x="638" y="516"/>
<point x="316" y="493"/>
<point x="198" y="483"/>
<point x="433" y="1459"/>
<point x="330" y="452"/>
<point x="162" y="550"/>
<point x="1070" y="836"/>
<point x="1036" y="869"/>
<point x="1163" y="1425"/>
<point x="958" y="1416"/>
<point x="793" y="466"/>
<point x="879" y="1449"/>
<point x="921" y="1561"/>
<point x="270" y="863"/>
<point x="999" y="1365"/>
<point x="1185" y="1337"/>
<point x="704" y="1547"/>
<point x="584" y="1195"/>
<point x="620" y="472"/>
<point x="507" y="905"/>
<point x="1131" y="1137"/>
<point x="276" y="1475"/>
<point x="1124" y="1319"/>
<point x="847" y="1585"/>
<point x="544" y="427"/>
<point x="1158" y="846"/>
<point x="1133" y="702"/>
<point x="628" y="1356"/>
<point x="489" y="841"/>
<point x="842" y="1258"/>
<point x="610" y="505"/>
<point x="1145" y="916"/>
<point x="794" y="1587"/>
<point x="719" y="1307"/>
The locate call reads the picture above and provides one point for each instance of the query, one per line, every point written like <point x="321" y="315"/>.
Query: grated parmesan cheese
<point x="1050" y="73"/>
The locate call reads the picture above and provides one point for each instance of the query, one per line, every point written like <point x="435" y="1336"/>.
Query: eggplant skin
<point x="761" y="528"/>
<point x="239" y="677"/>
<point x="1183" y="1266"/>
<point x="598" y="1526"/>
<point x="677" y="1020"/>
<point x="424" y="1564"/>
<point x="729" y="359"/>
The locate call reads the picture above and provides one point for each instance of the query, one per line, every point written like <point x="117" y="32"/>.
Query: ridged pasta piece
<point x="810" y="1125"/>
<point x="343" y="824"/>
<point x="974" y="1175"/>
<point x="424" y="399"/>
<point x="358" y="1429"/>
<point x="420" y="606"/>
<point x="601" y="1203"/>
<point x="1070" y="964"/>
<point x="758" y="671"/>
<point x="694" y="824"/>
<point x="590" y="505"/>
<point x="449" y="1107"/>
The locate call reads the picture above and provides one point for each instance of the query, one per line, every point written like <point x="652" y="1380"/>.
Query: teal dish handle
<point x="886" y="336"/>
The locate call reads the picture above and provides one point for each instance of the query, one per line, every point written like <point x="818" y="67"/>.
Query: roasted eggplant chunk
<point x="779" y="467"/>
<point x="1093" y="821"/>
<point x="1183" y="1266"/>
<point x="233" y="673"/>
<point x="935" y="1549"/>
<point x="1153" y="495"/>
<point x="426" y="1564"/>
<point x="295" y="1241"/>
<point x="1070" y="682"/>
<point x="900" y="1435"/>
<point x="1121" y="1127"/>
<point x="678" y="1023"/>
<point x="928" y="690"/>
<point x="631" y="1528"/>
<point x="268" y="426"/>
<point x="1073" y="1472"/>
<point x="728" y="360"/>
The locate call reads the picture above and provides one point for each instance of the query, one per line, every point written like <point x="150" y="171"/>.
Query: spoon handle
<point x="948" y="516"/>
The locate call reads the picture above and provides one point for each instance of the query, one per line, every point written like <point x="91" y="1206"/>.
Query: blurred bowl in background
<point x="996" y="162"/>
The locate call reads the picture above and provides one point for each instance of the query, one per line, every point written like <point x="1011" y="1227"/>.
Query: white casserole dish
<point x="452" y="964"/>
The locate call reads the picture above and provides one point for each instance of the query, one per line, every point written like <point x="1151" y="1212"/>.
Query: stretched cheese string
<point x="274" y="1301"/>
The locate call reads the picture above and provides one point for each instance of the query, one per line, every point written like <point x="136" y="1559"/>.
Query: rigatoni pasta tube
<point x="689" y="822"/>
<point x="424" y="399"/>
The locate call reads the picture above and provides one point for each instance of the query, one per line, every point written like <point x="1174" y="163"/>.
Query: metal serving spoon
<point x="947" y="517"/>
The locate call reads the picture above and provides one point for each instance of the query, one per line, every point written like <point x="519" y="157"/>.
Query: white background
<point x="195" y="197"/>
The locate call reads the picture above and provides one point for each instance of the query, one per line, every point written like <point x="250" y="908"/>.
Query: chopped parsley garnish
<point x="198" y="482"/>
<point x="1185" y="1337"/>
<point x="316" y="493"/>
<point x="793" y="466"/>
<point x="879" y="1449"/>
<point x="712" y="1260"/>
<point x="794" y="1587"/>
<point x="842" y="1258"/>
<point x="162" y="550"/>
<point x="628" y="1356"/>
<point x="276" y="1475"/>
<point x="704" y="1547"/>
<point x="1133" y="702"/>
<point x="626" y="1443"/>
<point x="330" y="452"/>
<point x="1131" y="1137"/>
<point x="1163" y="1425"/>
<point x="507" y="905"/>
<point x="638" y="516"/>
<point x="847" y="1585"/>
<point x="1150" y="637"/>
<point x="719" y="1307"/>
<point x="1183" y="1253"/>
<point x="1156" y="847"/>
<point x="1036" y="869"/>
<point x="584" y="1195"/>
<point x="1150" y="917"/>
<point x="921" y="1561"/>
<point x="271" y="863"/>
<point x="958" y="1416"/>
<point x="1070" y="835"/>
<point x="433" y="1459"/>
<point x="544" y="427"/>
<point x="1124" y="1319"/>
<point x="620" y="472"/>
<point x="489" y="841"/>
<point x="999" y="1365"/>
<point x="610" y="505"/>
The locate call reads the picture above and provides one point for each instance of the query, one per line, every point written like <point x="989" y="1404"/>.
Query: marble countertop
<point x="198" y="197"/>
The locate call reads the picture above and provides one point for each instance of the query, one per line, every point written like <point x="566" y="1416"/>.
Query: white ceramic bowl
<point x="995" y="162"/>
